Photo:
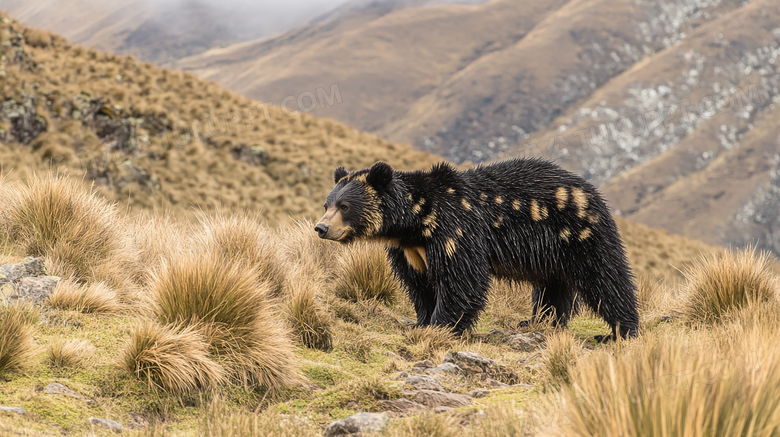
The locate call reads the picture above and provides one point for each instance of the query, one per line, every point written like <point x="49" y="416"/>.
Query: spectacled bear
<point x="448" y="231"/>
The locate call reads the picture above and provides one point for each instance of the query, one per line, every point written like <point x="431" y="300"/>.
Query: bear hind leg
<point x="552" y="299"/>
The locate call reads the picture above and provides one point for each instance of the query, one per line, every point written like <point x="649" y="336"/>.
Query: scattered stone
<point x="405" y="321"/>
<point x="439" y="410"/>
<point x="433" y="399"/>
<point x="55" y="388"/>
<point x="35" y="290"/>
<point x="469" y="362"/>
<point x="17" y="410"/>
<point x="28" y="267"/>
<point x="478" y="393"/>
<point x="351" y="405"/>
<point x="358" y="425"/>
<point x="402" y="407"/>
<point x="497" y="384"/>
<point x="526" y="342"/>
<point x="136" y="421"/>
<point x="107" y="423"/>
<point x="394" y="356"/>
<point x="500" y="332"/>
<point x="427" y="364"/>
<point x="402" y="376"/>
<point x="422" y="382"/>
<point x="444" y="367"/>
<point x="665" y="318"/>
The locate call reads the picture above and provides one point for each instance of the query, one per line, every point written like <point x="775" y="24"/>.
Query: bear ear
<point x="380" y="175"/>
<point x="339" y="173"/>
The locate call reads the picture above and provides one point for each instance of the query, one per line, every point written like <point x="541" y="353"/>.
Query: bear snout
<point x="322" y="230"/>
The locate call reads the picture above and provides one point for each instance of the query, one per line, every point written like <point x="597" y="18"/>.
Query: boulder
<point x="446" y="368"/>
<point x="422" y="382"/>
<point x="469" y="362"/>
<point x="107" y="423"/>
<point x="433" y="399"/>
<point x="478" y="393"/>
<point x="357" y="425"/>
<point x="55" y="388"/>
<point x="402" y="407"/>
<point x="17" y="410"/>
<point x="526" y="342"/>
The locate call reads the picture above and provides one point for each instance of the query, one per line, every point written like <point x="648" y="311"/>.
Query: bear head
<point x="353" y="207"/>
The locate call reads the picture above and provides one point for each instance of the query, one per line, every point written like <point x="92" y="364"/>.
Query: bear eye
<point x="344" y="207"/>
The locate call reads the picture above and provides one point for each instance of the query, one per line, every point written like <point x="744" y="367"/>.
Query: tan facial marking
<point x="450" y="190"/>
<point x="335" y="223"/>
<point x="580" y="199"/>
<point x="499" y="200"/>
<point x="459" y="232"/>
<point x="466" y="204"/>
<point x="449" y="247"/>
<point x="562" y="196"/>
<point x="538" y="212"/>
<point x="585" y="234"/>
<point x="565" y="234"/>
<point x="415" y="256"/>
<point x="516" y="205"/>
<point x="498" y="221"/>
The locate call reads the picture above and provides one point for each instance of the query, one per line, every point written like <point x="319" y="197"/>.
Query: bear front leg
<point x="462" y="281"/>
<point x="420" y="292"/>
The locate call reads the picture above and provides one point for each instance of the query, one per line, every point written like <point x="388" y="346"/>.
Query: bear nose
<point x="321" y="229"/>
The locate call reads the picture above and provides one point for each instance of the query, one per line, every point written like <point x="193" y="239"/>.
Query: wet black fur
<point x="454" y="289"/>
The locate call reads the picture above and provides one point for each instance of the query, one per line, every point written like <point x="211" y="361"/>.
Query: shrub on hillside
<point x="62" y="352"/>
<point x="81" y="235"/>
<point x="234" y="313"/>
<point x="719" y="283"/>
<point x="364" y="273"/>
<point x="16" y="343"/>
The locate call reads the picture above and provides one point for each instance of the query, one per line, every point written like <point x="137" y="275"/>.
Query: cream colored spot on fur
<point x="450" y="190"/>
<point x="466" y="204"/>
<point x="430" y="224"/>
<point x="418" y="207"/>
<point x="498" y="221"/>
<point x="538" y="212"/>
<point x="415" y="256"/>
<point x="482" y="196"/>
<point x="409" y="196"/>
<point x="562" y="195"/>
<point x="593" y="219"/>
<point x="585" y="234"/>
<point x="459" y="232"/>
<point x="565" y="234"/>
<point x="449" y="247"/>
<point x="516" y="205"/>
<point x="580" y="199"/>
<point x="499" y="200"/>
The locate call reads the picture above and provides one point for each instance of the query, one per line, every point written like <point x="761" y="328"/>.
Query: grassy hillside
<point x="128" y="126"/>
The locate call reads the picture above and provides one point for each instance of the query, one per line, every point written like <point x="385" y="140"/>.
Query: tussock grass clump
<point x="234" y="312"/>
<point x="16" y="343"/>
<point x="159" y="237"/>
<point x="172" y="358"/>
<point x="241" y="239"/>
<point x="428" y="424"/>
<point x="218" y="421"/>
<point x="719" y="283"/>
<point x="81" y="235"/>
<point x="560" y="356"/>
<point x="304" y="248"/>
<point x="499" y="421"/>
<point x="63" y="352"/>
<point x="364" y="273"/>
<point x="95" y="298"/>
<point x="425" y="342"/>
<point x="310" y="323"/>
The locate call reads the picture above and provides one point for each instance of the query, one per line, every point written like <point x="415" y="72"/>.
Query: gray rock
<point x="402" y="376"/>
<point x="422" y="382"/>
<point x="439" y="410"/>
<point x="394" y="356"/>
<point x="17" y="410"/>
<point x="496" y="384"/>
<point x="445" y="367"/>
<point x="407" y="322"/>
<point x="478" y="393"/>
<point x="433" y="399"/>
<point x="34" y="290"/>
<point x="107" y="423"/>
<point x="28" y="267"/>
<point x="526" y="342"/>
<point x="357" y="425"/>
<point x="469" y="362"/>
<point x="665" y="318"/>
<point x="427" y="364"/>
<point x="55" y="388"/>
<point x="402" y="407"/>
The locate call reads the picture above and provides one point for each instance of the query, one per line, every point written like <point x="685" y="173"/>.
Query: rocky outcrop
<point x="358" y="425"/>
<point x="26" y="281"/>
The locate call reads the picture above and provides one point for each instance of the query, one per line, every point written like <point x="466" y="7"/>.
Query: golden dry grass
<point x="560" y="356"/>
<point x="172" y="358"/>
<point x="81" y="235"/>
<point x="62" y="352"/>
<point x="233" y="311"/>
<point x="509" y="303"/>
<point x="364" y="273"/>
<point x="311" y="323"/>
<point x="94" y="298"/>
<point x="718" y="283"/>
<point x="427" y="341"/>
<point x="16" y="342"/>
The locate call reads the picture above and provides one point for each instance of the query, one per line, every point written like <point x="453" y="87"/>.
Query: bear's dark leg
<point x="461" y="280"/>
<point x="420" y="293"/>
<point x="614" y="299"/>
<point x="553" y="298"/>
